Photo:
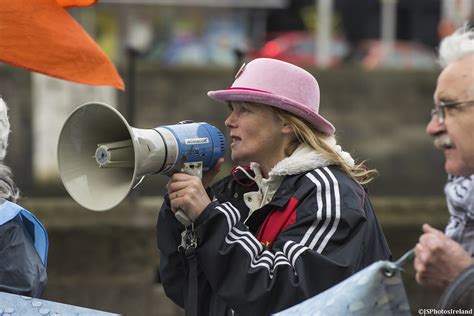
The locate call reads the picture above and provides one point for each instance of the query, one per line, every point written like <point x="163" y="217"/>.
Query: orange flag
<point x="75" y="3"/>
<point x="41" y="36"/>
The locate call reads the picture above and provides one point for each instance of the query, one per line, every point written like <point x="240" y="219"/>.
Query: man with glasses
<point x="445" y="261"/>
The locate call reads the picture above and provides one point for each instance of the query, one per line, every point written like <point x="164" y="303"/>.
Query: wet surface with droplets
<point x="17" y="305"/>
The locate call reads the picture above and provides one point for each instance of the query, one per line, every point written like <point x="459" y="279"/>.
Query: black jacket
<point x="318" y="229"/>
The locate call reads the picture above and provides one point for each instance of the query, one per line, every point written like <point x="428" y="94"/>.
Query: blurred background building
<point x="376" y="64"/>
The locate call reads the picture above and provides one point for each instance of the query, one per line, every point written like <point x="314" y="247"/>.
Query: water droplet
<point x="26" y="298"/>
<point x="363" y="280"/>
<point x="354" y="307"/>
<point x="36" y="303"/>
<point x="330" y="302"/>
<point x="55" y="314"/>
<point x="9" y="310"/>
<point x="44" y="311"/>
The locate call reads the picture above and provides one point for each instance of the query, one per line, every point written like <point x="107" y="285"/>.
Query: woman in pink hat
<point x="291" y="221"/>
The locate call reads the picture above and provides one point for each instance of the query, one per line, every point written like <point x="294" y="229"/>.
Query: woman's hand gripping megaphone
<point x="187" y="193"/>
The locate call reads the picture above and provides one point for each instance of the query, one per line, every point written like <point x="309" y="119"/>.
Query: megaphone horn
<point x="101" y="157"/>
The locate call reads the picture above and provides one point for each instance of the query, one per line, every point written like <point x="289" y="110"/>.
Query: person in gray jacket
<point x="23" y="239"/>
<point x="443" y="261"/>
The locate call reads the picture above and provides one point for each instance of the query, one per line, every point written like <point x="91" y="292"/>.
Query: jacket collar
<point x="303" y="160"/>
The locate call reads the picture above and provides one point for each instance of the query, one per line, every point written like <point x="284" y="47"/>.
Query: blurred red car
<point x="298" y="48"/>
<point x="370" y="54"/>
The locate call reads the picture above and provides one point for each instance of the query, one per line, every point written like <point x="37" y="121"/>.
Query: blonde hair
<point x="307" y="134"/>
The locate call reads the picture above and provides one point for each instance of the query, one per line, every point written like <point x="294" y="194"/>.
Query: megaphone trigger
<point x="193" y="168"/>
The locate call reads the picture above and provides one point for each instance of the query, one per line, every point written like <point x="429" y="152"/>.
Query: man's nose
<point x="434" y="127"/>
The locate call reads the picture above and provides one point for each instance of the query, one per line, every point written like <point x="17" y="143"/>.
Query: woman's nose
<point x="230" y="120"/>
<point x="434" y="127"/>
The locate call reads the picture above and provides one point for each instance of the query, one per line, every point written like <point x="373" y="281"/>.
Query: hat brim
<point x="319" y="122"/>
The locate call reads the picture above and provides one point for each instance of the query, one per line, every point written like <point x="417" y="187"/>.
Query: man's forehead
<point x="457" y="80"/>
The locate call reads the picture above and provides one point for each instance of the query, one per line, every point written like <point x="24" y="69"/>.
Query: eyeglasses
<point x="440" y="110"/>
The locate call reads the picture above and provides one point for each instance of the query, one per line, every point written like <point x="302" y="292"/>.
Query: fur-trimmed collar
<point x="303" y="159"/>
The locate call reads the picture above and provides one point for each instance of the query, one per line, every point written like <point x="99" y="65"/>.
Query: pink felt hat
<point x="279" y="84"/>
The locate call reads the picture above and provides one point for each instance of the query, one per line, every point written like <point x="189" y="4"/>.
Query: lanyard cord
<point x="188" y="249"/>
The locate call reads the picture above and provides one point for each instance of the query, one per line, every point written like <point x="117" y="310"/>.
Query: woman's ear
<point x="287" y="129"/>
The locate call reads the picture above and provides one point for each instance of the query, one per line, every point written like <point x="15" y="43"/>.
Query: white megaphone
<point x="101" y="158"/>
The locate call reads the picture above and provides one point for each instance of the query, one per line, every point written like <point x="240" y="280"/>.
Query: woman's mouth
<point x="235" y="139"/>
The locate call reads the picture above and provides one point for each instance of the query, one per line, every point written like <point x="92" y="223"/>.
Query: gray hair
<point x="8" y="189"/>
<point x="456" y="46"/>
<point x="4" y="129"/>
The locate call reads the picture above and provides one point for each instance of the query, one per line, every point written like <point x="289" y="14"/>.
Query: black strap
<point x="188" y="250"/>
<point x="191" y="304"/>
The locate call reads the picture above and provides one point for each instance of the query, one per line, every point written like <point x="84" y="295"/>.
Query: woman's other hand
<point x="209" y="175"/>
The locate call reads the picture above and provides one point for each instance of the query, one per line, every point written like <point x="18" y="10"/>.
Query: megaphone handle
<point x="193" y="169"/>
<point x="183" y="218"/>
